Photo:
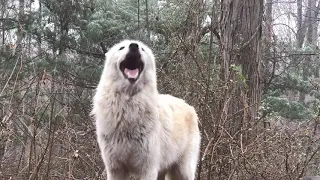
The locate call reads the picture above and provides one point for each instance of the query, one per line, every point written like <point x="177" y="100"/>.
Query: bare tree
<point x="241" y="33"/>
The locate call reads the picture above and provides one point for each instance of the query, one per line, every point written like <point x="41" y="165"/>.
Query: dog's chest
<point x="130" y="120"/>
<point x="127" y="129"/>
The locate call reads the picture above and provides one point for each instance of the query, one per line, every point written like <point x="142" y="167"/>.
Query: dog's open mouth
<point x="132" y="66"/>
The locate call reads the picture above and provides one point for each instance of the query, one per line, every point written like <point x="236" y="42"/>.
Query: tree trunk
<point x="39" y="38"/>
<point x="269" y="63"/>
<point x="241" y="30"/>
<point x="310" y="23"/>
<point x="20" y="32"/>
<point x="316" y="72"/>
<point x="3" y="10"/>
<point x="147" y="22"/>
<point x="241" y="35"/>
<point x="269" y="21"/>
<point x="301" y="29"/>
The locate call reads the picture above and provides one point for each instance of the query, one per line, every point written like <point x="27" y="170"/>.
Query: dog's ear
<point x="103" y="47"/>
<point x="107" y="53"/>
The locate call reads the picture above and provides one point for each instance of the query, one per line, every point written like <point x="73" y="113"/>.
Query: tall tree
<point x="300" y="26"/>
<point x="241" y="30"/>
<point x="309" y="32"/>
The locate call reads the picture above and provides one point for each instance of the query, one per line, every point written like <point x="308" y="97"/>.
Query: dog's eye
<point x="121" y="48"/>
<point x="142" y="49"/>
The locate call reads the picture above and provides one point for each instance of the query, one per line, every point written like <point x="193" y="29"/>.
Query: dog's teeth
<point x="131" y="73"/>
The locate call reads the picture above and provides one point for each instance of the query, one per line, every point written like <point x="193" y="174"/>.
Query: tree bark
<point x="241" y="32"/>
<point x="3" y="9"/>
<point x="269" y="20"/>
<point x="147" y="22"/>
<point x="301" y="29"/>
<point x="310" y="21"/>
<point x="20" y="32"/>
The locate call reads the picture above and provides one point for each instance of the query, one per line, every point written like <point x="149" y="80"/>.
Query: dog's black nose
<point x="133" y="47"/>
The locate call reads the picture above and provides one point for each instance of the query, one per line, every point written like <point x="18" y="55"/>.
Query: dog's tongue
<point x="131" y="73"/>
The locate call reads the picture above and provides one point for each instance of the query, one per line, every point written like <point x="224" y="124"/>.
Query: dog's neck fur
<point x="125" y="111"/>
<point x="108" y="93"/>
<point x="128" y="90"/>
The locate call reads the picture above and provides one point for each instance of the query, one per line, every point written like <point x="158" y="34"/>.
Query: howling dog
<point x="141" y="132"/>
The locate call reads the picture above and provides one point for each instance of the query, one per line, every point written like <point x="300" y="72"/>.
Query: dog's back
<point x="182" y="147"/>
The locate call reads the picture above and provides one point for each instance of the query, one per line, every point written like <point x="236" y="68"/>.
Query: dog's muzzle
<point x="132" y="65"/>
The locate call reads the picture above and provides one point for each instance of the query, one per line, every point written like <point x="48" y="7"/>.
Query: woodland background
<point x="250" y="68"/>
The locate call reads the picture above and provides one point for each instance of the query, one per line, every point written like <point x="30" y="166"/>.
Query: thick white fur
<point x="140" y="131"/>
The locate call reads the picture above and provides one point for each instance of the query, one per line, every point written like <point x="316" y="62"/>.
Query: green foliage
<point x="277" y="101"/>
<point x="291" y="82"/>
<point x="238" y="71"/>
<point x="113" y="21"/>
<point x="297" y="70"/>
<point x="292" y="110"/>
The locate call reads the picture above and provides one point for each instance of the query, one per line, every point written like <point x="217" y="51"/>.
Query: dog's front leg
<point x="117" y="175"/>
<point x="151" y="174"/>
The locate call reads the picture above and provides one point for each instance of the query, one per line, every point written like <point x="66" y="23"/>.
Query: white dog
<point x="141" y="132"/>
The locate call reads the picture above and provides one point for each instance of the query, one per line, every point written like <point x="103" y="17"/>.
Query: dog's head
<point x="129" y="66"/>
